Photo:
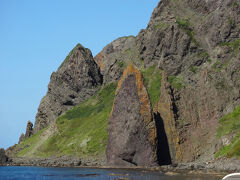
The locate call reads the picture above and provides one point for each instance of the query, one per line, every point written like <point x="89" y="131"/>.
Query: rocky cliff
<point x="77" y="79"/>
<point x="197" y="44"/>
<point x="195" y="116"/>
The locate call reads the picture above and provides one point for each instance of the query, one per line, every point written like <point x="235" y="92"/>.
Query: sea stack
<point x="131" y="130"/>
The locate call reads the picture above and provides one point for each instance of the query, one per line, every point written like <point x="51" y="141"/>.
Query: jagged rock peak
<point x="131" y="129"/>
<point x="77" y="79"/>
<point x="78" y="50"/>
<point x="200" y="6"/>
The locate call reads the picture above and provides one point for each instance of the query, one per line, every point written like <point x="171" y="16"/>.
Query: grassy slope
<point x="82" y="131"/>
<point x="230" y="124"/>
<point x="28" y="146"/>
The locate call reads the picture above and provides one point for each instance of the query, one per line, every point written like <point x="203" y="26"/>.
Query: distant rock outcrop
<point x="29" y="129"/>
<point x="3" y="157"/>
<point x="77" y="79"/>
<point x="132" y="134"/>
<point x="28" y="133"/>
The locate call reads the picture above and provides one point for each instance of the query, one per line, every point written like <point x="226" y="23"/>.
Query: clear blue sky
<point x="36" y="36"/>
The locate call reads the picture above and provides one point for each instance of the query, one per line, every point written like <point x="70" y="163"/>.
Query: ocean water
<point x="41" y="173"/>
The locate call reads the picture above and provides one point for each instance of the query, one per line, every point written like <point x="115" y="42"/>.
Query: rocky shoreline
<point x="63" y="161"/>
<point x="222" y="166"/>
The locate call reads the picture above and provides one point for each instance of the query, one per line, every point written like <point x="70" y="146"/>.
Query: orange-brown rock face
<point x="99" y="60"/>
<point x="164" y="116"/>
<point x="132" y="133"/>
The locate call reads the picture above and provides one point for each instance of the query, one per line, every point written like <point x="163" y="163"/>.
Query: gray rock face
<point x="3" y="157"/>
<point x="116" y="56"/>
<point x="77" y="79"/>
<point x="131" y="128"/>
<point x="165" y="44"/>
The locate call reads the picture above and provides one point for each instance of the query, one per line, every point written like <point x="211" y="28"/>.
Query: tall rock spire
<point x="131" y="129"/>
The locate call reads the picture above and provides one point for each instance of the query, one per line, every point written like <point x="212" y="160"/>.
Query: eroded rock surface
<point x="131" y="129"/>
<point x="77" y="79"/>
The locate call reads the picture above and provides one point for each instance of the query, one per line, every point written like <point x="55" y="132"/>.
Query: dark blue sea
<point x="41" y="173"/>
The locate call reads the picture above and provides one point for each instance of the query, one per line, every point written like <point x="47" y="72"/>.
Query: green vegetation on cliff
<point x="161" y="25"/>
<point x="184" y="24"/>
<point x="176" y="82"/>
<point x="234" y="45"/>
<point x="152" y="79"/>
<point x="81" y="131"/>
<point x="29" y="146"/>
<point x="230" y="124"/>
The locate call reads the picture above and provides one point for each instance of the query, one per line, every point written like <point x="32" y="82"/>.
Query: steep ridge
<point x="132" y="133"/>
<point x="77" y="79"/>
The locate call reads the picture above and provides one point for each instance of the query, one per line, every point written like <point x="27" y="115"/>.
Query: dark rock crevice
<point x="163" y="151"/>
<point x="130" y="160"/>
<point x="174" y="106"/>
<point x="68" y="103"/>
